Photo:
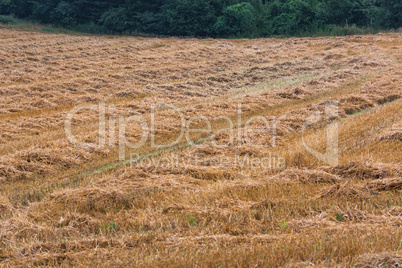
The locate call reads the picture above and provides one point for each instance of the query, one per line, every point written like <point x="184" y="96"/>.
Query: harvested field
<point x="249" y="185"/>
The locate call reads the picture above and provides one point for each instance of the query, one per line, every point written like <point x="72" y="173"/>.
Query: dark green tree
<point x="187" y="18"/>
<point x="115" y="20"/>
<point x="218" y="18"/>
<point x="391" y="13"/>
<point x="236" y="20"/>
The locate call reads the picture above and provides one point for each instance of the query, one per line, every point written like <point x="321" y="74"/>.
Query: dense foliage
<point x="216" y="18"/>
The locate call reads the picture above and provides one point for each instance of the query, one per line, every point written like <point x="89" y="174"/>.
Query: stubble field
<point x="243" y="195"/>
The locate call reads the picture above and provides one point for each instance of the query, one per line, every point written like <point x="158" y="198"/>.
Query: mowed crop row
<point x="218" y="205"/>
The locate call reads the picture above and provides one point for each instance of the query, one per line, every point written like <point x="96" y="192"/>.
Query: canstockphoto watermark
<point x="113" y="130"/>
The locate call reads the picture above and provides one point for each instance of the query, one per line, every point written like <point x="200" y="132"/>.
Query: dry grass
<point x="5" y="206"/>
<point x="379" y="260"/>
<point x="389" y="184"/>
<point x="64" y="206"/>
<point x="308" y="176"/>
<point x="358" y="170"/>
<point x="347" y="191"/>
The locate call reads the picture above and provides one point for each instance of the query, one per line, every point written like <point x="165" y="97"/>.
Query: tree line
<point x="209" y="18"/>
